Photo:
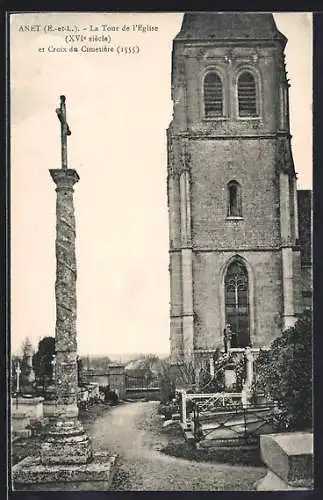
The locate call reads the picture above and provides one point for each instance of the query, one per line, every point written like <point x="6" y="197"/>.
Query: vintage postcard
<point x="161" y="251"/>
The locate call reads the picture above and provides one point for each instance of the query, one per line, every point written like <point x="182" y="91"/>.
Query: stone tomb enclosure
<point x="20" y="422"/>
<point x="32" y="407"/>
<point x="25" y="412"/>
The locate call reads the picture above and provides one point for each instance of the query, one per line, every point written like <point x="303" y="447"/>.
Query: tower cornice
<point x="237" y="26"/>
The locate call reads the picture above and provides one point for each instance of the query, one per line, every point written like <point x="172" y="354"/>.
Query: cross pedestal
<point x="66" y="460"/>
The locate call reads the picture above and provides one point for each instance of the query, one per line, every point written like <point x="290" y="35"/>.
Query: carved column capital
<point x="286" y="241"/>
<point x="64" y="178"/>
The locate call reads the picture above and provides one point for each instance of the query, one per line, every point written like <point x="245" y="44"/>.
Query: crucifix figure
<point x="65" y="130"/>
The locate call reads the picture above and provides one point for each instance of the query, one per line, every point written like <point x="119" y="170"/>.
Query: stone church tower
<point x="232" y="196"/>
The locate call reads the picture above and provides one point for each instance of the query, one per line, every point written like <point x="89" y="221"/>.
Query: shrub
<point x="167" y="409"/>
<point x="284" y="375"/>
<point x="241" y="372"/>
<point x="167" y="382"/>
<point x="110" y="396"/>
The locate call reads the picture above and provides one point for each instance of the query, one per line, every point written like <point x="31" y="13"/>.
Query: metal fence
<point x="206" y="402"/>
<point x="232" y="424"/>
<point x="141" y="383"/>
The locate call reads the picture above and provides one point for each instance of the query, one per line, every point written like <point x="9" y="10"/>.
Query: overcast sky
<point x="118" y="109"/>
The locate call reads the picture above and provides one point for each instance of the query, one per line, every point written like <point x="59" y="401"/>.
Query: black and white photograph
<point x="161" y="251"/>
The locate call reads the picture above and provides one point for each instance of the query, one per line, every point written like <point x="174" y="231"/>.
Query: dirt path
<point x="128" y="431"/>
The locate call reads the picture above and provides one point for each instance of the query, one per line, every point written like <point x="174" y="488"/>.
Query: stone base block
<point x="289" y="456"/>
<point x="49" y="409"/>
<point x="66" y="442"/>
<point x="43" y="422"/>
<point x="77" y="449"/>
<point x="31" y="475"/>
<point x="38" y="427"/>
<point x="272" y="482"/>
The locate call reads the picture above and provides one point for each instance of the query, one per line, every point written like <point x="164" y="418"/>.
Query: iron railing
<point x="244" y="421"/>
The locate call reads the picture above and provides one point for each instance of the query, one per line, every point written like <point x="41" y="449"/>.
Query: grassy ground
<point x="177" y="446"/>
<point x="23" y="448"/>
<point x="87" y="417"/>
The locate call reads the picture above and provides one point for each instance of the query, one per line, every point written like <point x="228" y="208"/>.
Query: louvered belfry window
<point x="213" y="96"/>
<point x="247" y="95"/>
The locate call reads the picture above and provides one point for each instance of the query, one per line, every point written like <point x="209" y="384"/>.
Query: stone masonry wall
<point x="218" y="151"/>
<point x="252" y="164"/>
<point x="190" y="65"/>
<point x="265" y="294"/>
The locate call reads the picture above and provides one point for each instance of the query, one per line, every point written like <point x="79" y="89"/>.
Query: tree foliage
<point x="167" y="382"/>
<point x="80" y="370"/>
<point x="26" y="347"/>
<point x="148" y="368"/>
<point x="96" y="362"/>
<point x="42" y="359"/>
<point x="172" y="376"/>
<point x="284" y="374"/>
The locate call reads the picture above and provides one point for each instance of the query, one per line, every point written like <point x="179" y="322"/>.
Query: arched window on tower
<point x="234" y="199"/>
<point x="237" y="303"/>
<point x="247" y="95"/>
<point x="213" y="95"/>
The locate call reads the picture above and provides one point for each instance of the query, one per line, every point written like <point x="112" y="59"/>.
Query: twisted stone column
<point x="66" y="442"/>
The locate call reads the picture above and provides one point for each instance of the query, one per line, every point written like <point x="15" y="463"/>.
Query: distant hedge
<point x="284" y="374"/>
